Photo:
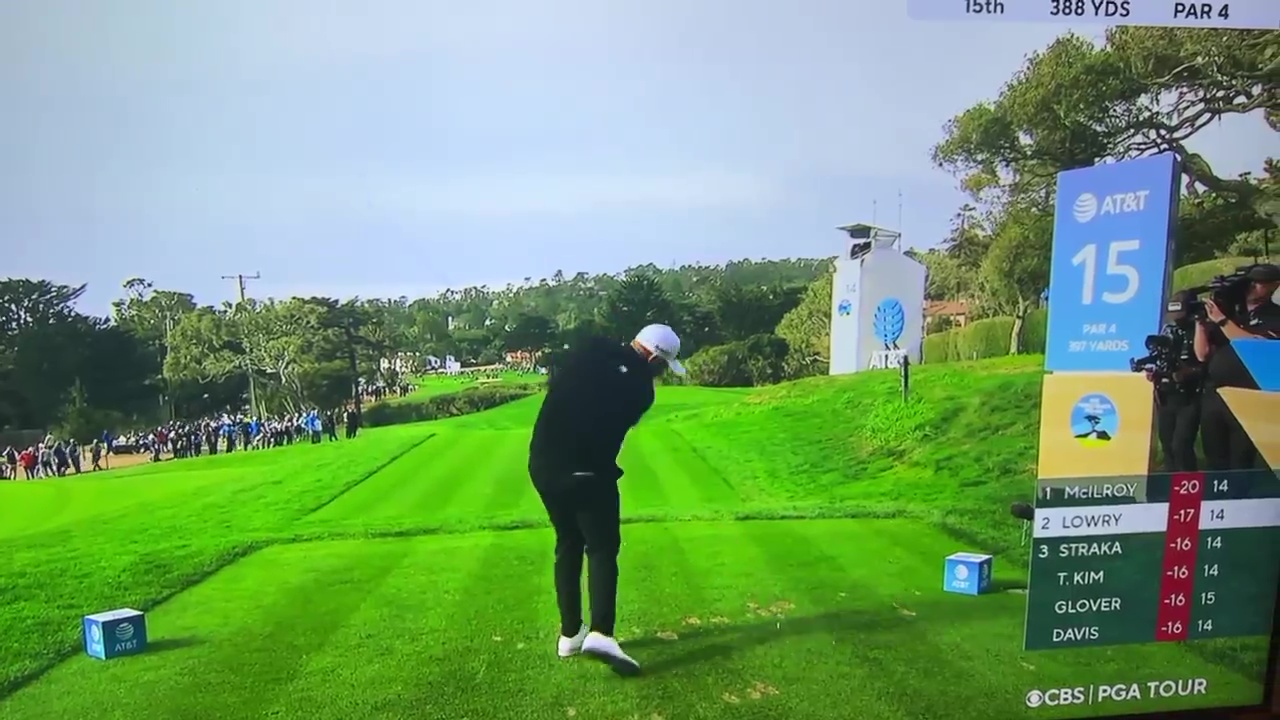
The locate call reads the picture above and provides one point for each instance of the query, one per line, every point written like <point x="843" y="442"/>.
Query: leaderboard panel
<point x="1160" y="558"/>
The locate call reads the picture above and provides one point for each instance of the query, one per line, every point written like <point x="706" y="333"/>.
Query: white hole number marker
<point x="1088" y="257"/>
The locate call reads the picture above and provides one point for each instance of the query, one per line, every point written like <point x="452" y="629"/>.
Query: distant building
<point x="954" y="312"/>
<point x="401" y="364"/>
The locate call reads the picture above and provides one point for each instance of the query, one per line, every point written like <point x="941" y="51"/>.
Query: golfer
<point x="598" y="392"/>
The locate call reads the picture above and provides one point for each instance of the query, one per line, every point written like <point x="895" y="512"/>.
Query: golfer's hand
<point x="1149" y="374"/>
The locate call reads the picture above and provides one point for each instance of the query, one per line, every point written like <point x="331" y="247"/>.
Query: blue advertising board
<point x="1110" y="263"/>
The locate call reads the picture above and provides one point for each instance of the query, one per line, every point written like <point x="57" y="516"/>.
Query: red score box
<point x="1178" y="576"/>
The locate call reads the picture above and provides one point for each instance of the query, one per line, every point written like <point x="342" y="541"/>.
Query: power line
<point x="240" y="283"/>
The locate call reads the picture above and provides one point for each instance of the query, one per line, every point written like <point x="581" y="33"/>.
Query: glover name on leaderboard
<point x="1239" y="14"/>
<point x="1164" y="558"/>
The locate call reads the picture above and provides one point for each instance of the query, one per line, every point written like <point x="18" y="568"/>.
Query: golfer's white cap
<point x="662" y="341"/>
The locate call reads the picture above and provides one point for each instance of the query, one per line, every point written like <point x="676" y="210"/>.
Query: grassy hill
<point x="407" y="573"/>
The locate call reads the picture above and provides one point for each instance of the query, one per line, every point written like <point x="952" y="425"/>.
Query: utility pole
<point x="253" y="393"/>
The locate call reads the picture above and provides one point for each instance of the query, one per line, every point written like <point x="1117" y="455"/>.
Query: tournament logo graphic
<point x="844" y="308"/>
<point x="1085" y="208"/>
<point x="1094" y="420"/>
<point x="889" y="322"/>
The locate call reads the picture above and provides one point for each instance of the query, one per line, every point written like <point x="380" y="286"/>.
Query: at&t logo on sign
<point x="1109" y="263"/>
<point x="1087" y="206"/>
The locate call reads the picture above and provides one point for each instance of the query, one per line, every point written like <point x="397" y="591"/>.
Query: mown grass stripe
<point x="498" y="653"/>
<point x="391" y="460"/>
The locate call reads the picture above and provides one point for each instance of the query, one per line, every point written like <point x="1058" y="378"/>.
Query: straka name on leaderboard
<point x="1225" y="14"/>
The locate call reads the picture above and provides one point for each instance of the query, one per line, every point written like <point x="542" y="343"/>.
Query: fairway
<point x="783" y="558"/>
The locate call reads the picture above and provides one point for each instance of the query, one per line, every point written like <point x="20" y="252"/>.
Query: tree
<point x="638" y="300"/>
<point x="806" y="328"/>
<point x="1015" y="272"/>
<point x="530" y="332"/>
<point x="741" y="311"/>
<point x="1144" y="91"/>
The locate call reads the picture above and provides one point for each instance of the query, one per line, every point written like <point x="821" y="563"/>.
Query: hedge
<point x="1189" y="276"/>
<point x="985" y="339"/>
<point x="437" y="407"/>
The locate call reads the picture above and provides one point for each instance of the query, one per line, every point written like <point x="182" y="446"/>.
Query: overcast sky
<point x="381" y="148"/>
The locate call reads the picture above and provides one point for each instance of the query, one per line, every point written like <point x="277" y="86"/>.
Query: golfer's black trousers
<point x="584" y="510"/>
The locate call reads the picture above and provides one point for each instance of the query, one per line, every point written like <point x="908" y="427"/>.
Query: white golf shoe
<point x="606" y="650"/>
<point x="570" y="646"/>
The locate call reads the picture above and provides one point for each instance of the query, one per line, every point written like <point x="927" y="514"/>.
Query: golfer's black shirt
<point x="1224" y="366"/>
<point x="596" y="393"/>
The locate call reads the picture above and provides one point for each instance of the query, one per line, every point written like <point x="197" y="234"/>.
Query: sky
<point x="380" y="148"/>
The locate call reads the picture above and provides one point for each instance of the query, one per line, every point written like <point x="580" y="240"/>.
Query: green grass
<point x="432" y="385"/>
<point x="783" y="558"/>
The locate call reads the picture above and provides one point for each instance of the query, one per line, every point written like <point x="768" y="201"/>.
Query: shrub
<point x="758" y="360"/>
<point x="437" y="407"/>
<point x="986" y="338"/>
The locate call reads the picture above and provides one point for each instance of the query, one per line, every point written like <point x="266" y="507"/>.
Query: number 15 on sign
<point x="1087" y="261"/>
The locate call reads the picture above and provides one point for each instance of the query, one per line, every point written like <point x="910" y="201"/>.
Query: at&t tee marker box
<point x="967" y="573"/>
<point x="115" y="633"/>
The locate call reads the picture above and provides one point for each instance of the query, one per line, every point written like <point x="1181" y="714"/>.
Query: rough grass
<point x="351" y="611"/>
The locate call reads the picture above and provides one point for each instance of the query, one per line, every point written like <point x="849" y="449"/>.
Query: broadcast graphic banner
<point x="1095" y="425"/>
<point x="1238" y="14"/>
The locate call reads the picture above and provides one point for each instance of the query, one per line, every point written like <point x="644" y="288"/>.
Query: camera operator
<point x="1177" y="389"/>
<point x="1226" y="444"/>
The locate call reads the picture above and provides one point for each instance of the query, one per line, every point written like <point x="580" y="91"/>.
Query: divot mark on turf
<point x="361" y="480"/>
<point x="571" y="712"/>
<point x="719" y="620"/>
<point x="759" y="690"/>
<point x="730" y="698"/>
<point x="691" y="620"/>
<point x="778" y="609"/>
<point x="667" y="635"/>
<point x="903" y="611"/>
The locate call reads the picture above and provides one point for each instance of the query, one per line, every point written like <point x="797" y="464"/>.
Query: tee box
<point x="115" y="633"/>
<point x="967" y="573"/>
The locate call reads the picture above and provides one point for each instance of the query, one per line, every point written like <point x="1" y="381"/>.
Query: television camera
<point x="1228" y="292"/>
<point x="1161" y="358"/>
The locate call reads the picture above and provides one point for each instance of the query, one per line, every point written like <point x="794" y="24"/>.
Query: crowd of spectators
<point x="54" y="457"/>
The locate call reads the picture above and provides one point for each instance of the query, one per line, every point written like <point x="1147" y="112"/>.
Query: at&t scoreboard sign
<point x="1107" y="281"/>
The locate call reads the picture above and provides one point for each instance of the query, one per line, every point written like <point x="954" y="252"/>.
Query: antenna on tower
<point x="899" y="209"/>
<point x="873" y="212"/>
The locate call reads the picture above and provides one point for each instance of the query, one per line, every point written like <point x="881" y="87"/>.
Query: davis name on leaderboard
<point x="1161" y="558"/>
<point x="1240" y="14"/>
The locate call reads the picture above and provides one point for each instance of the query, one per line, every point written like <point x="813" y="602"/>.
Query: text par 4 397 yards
<point x="1235" y="14"/>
